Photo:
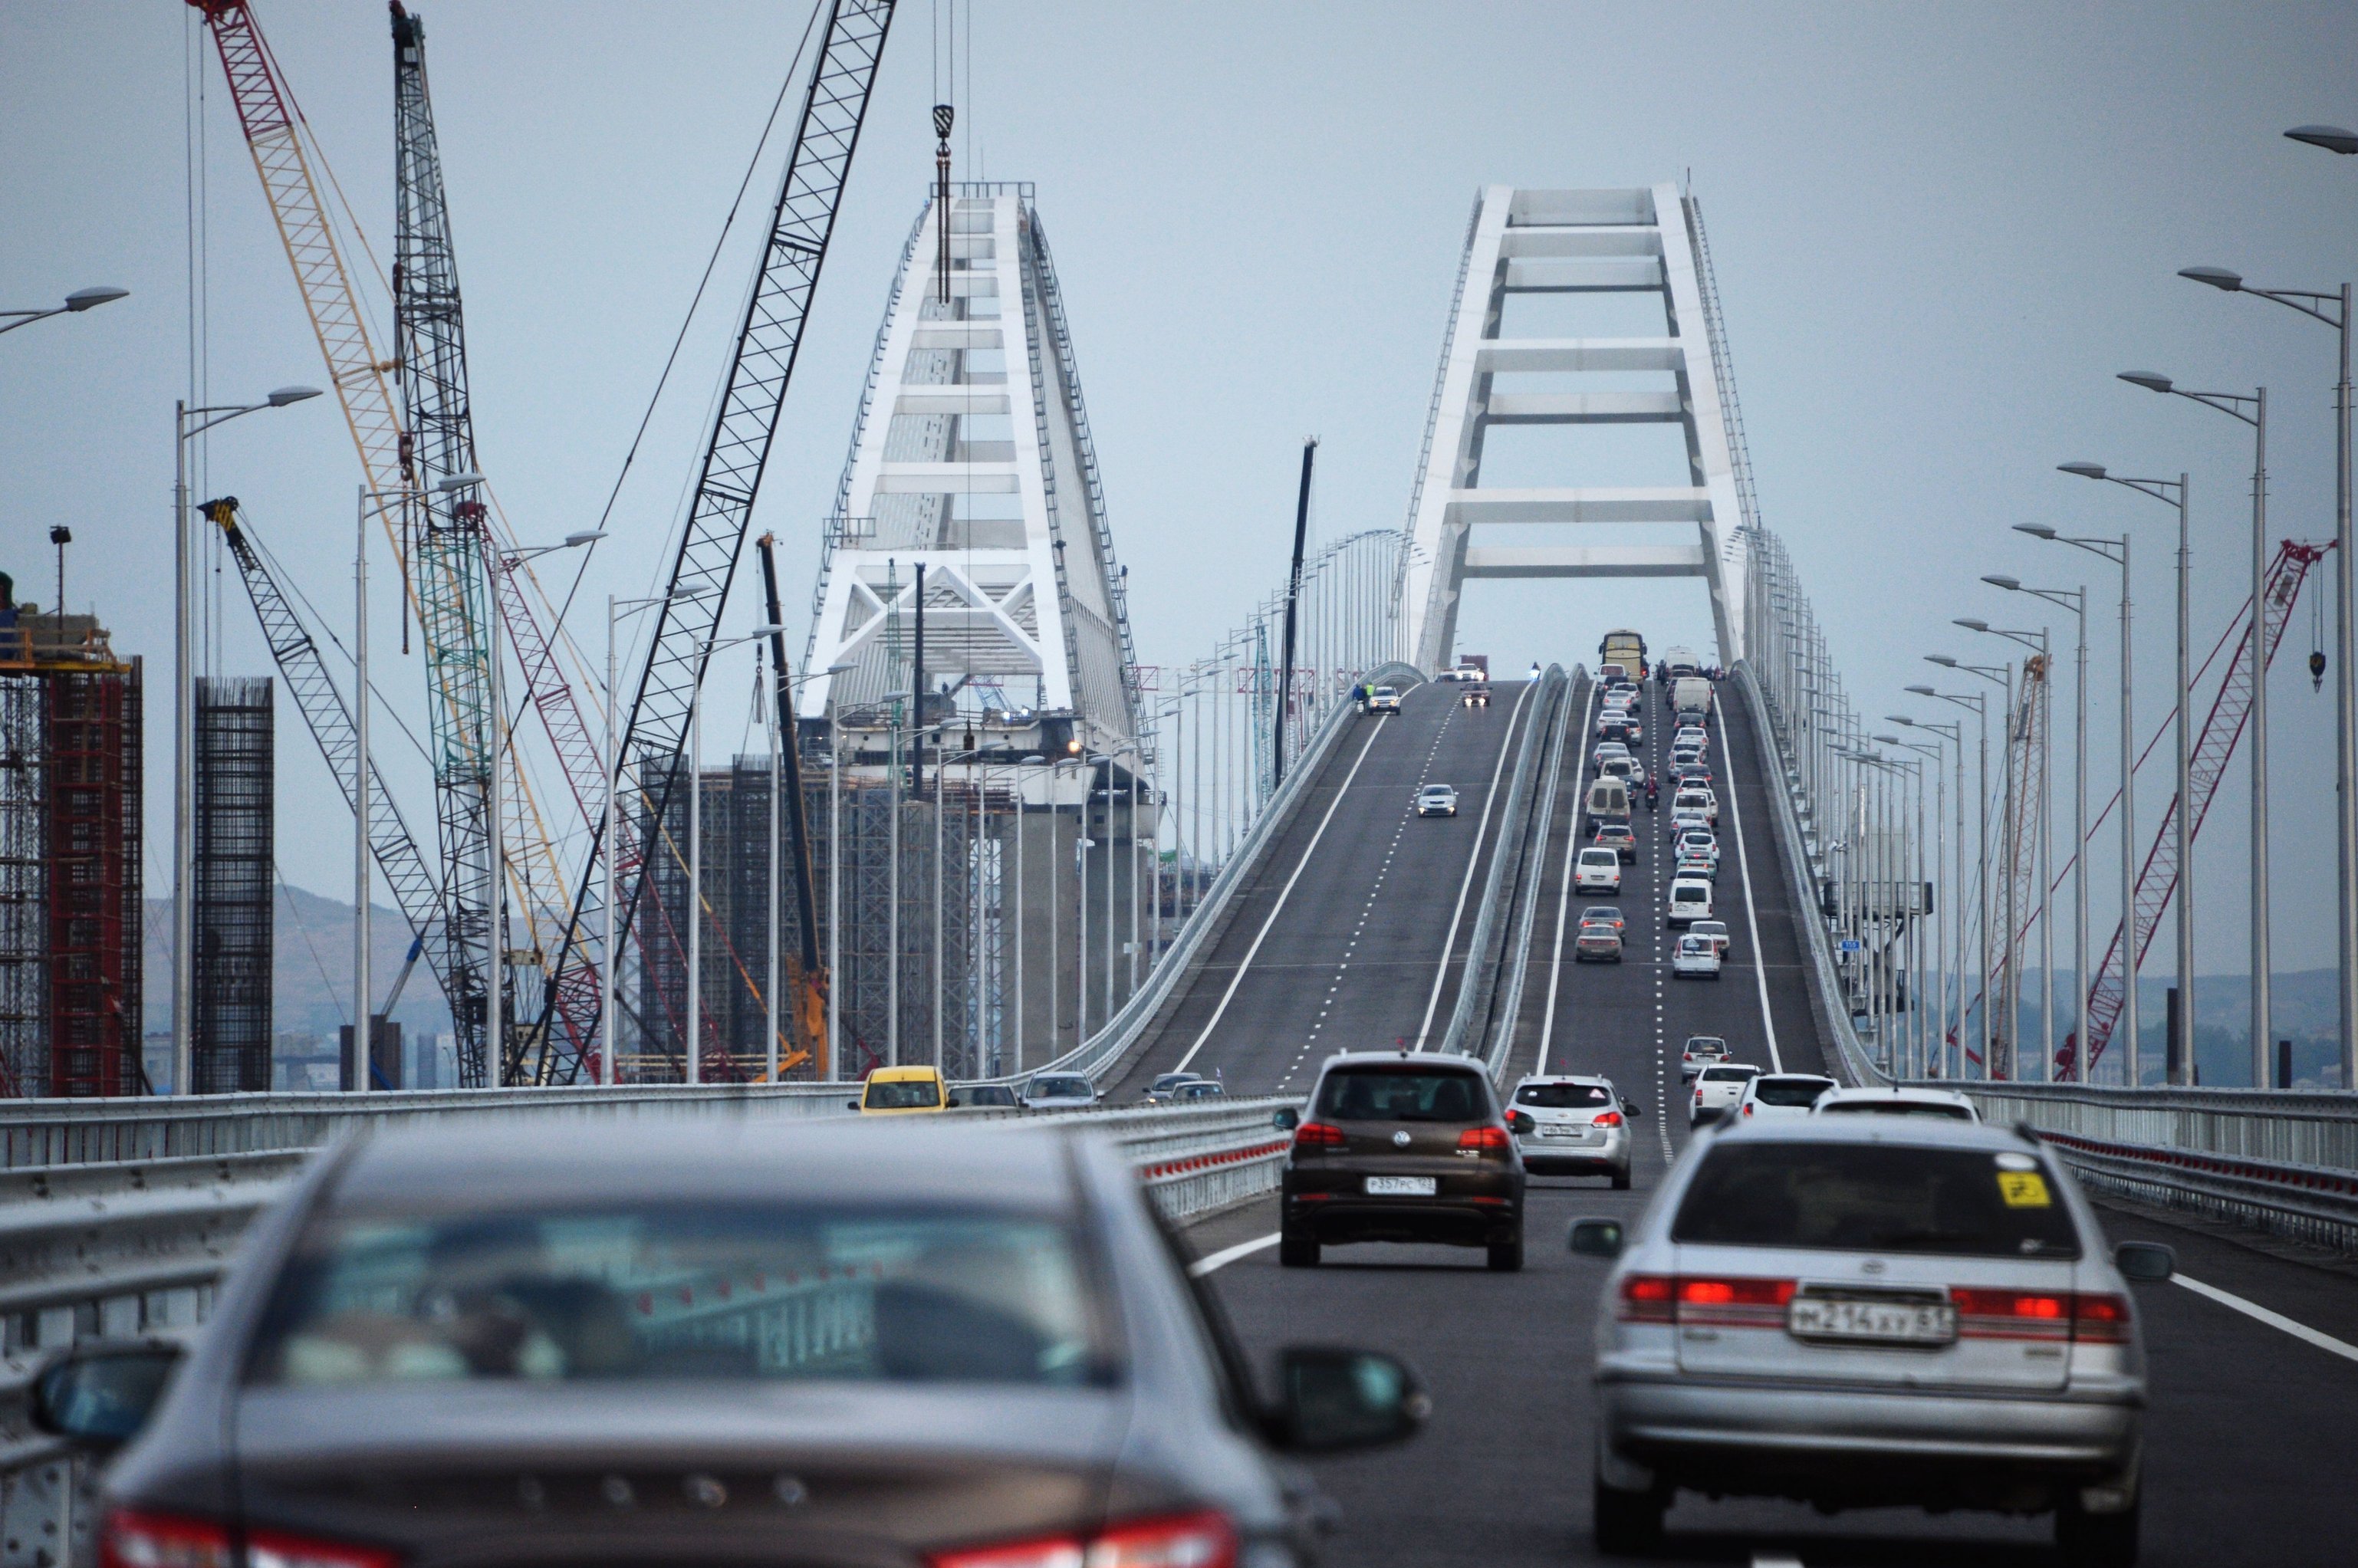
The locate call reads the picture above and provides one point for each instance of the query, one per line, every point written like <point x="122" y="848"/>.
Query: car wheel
<point x="1626" y="1523"/>
<point x="1296" y="1250"/>
<point x="2097" y="1541"/>
<point x="1507" y="1257"/>
<point x="1621" y="1180"/>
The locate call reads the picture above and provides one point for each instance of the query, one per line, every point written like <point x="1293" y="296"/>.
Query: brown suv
<point x="1397" y="1147"/>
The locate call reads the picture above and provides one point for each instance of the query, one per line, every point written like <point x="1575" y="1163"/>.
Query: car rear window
<point x="1403" y="1094"/>
<point x="1896" y="1107"/>
<point x="1729" y="1075"/>
<point x="1062" y="1089"/>
<point x="909" y="1094"/>
<point x="745" y="1293"/>
<point x="1563" y="1096"/>
<point x="1790" y="1091"/>
<point x="1877" y="1197"/>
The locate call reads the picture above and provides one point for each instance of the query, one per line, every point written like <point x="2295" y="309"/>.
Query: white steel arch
<point x="1623" y="240"/>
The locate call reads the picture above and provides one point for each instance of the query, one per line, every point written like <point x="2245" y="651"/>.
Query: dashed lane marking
<point x="1472" y="859"/>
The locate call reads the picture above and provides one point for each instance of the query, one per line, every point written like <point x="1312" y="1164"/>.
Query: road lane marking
<point x="1228" y="1255"/>
<point x="1279" y="908"/>
<point x="2300" y="1331"/>
<point x="1744" y="864"/>
<point x="1489" y="799"/>
<point x="1563" y="890"/>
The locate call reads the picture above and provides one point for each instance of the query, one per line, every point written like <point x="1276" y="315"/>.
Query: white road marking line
<point x="1489" y="799"/>
<point x="1563" y="891"/>
<point x="1228" y="1255"/>
<point x="2300" y="1331"/>
<point x="1279" y="907"/>
<point x="1744" y="864"/>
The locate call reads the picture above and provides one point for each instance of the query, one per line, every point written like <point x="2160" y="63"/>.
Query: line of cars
<point x="922" y="1090"/>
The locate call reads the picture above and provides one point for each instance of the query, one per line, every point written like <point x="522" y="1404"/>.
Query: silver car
<point x="1058" y="1091"/>
<point x="1870" y="1312"/>
<point x="1572" y="1125"/>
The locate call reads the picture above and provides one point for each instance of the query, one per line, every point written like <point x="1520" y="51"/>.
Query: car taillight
<point x="2100" y="1319"/>
<point x="1318" y="1135"/>
<point x="1747" y="1108"/>
<point x="1607" y="1118"/>
<point x="1190" y="1541"/>
<point x="1646" y="1298"/>
<point x="129" y="1540"/>
<point x="1483" y="1138"/>
<point x="1733" y="1292"/>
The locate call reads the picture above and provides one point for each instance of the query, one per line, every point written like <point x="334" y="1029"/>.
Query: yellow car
<point x="902" y="1091"/>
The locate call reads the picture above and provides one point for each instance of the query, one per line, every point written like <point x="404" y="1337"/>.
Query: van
<point x="1690" y="900"/>
<point x="1690" y="694"/>
<point x="902" y="1091"/>
<point x="1608" y="801"/>
<point x="1598" y="870"/>
<point x="1677" y="662"/>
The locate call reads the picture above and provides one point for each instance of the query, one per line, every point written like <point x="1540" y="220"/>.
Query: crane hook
<point x="2317" y="670"/>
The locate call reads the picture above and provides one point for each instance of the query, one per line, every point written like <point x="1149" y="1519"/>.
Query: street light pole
<point x="364" y="1023"/>
<point x="2002" y="677"/>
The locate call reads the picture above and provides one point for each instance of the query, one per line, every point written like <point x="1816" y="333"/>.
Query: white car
<point x="1777" y="1096"/>
<point x="1701" y="1051"/>
<point x="1384" y="699"/>
<point x="1945" y="1105"/>
<point x="1700" y="801"/>
<point x="1715" y="929"/>
<point x="1598" y="870"/>
<point x="1696" y="958"/>
<point x="1700" y="841"/>
<point x="1437" y="800"/>
<point x="1606" y="751"/>
<point x="1690" y="896"/>
<point x="1573" y="1123"/>
<point x="1058" y="1091"/>
<point x="1716" y="1090"/>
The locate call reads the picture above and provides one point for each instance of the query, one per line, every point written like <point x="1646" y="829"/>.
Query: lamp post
<point x="2174" y="493"/>
<point x="2333" y="310"/>
<point x="1980" y="704"/>
<point x="1935" y="753"/>
<point x="79" y="300"/>
<point x="365" y="1030"/>
<point x="2076" y="601"/>
<point x="2017" y="920"/>
<point x="187" y="424"/>
<point x="1954" y="930"/>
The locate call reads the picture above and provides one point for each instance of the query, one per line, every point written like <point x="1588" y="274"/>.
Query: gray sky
<point x="1939" y="232"/>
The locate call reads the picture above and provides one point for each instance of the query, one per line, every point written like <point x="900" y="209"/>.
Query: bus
<point x="1625" y="648"/>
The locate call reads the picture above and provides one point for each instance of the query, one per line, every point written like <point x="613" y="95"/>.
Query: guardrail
<point x="128" y="1247"/>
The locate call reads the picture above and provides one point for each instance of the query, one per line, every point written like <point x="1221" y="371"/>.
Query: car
<point x="1699" y="840"/>
<point x="1690" y="900"/>
<point x="1699" y="801"/>
<point x="1701" y="1051"/>
<point x="1437" y="800"/>
<point x="1598" y="870"/>
<point x="1691" y="773"/>
<point x="1609" y="913"/>
<point x="1606" y="751"/>
<point x="1696" y="866"/>
<point x="1160" y="1090"/>
<point x="902" y="1091"/>
<point x="1682" y="821"/>
<point x="1857" y="1314"/>
<point x="1715" y="929"/>
<point x="1716" y="1090"/>
<point x="1477" y="696"/>
<point x="1598" y="940"/>
<point x="1685" y="755"/>
<point x="943" y="1345"/>
<point x="1462" y="672"/>
<point x="1058" y="1091"/>
<point x="1943" y="1105"/>
<point x="1201" y="1089"/>
<point x="1400" y="1147"/>
<point x="1625" y="769"/>
<point x="1573" y="1124"/>
<point x="1775" y="1096"/>
<point x="1384" y="699"/>
<point x="987" y="1097"/>
<point x="1696" y="958"/>
<point x="1617" y="836"/>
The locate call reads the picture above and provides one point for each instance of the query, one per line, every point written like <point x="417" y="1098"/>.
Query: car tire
<point x="1507" y="1257"/>
<point x="2097" y="1541"/>
<point x="1627" y="1524"/>
<point x="1296" y="1250"/>
<point x="1621" y="1181"/>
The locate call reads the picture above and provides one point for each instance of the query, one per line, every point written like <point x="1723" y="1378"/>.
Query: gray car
<point x="704" y="1342"/>
<point x="1058" y="1091"/>
<point x="1572" y="1124"/>
<point x="1871" y="1312"/>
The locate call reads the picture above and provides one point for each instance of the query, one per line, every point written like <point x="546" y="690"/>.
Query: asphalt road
<point x="2252" y="1430"/>
<point x="1364" y="893"/>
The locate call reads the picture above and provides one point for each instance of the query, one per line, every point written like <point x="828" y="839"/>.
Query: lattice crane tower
<point x="1533" y="241"/>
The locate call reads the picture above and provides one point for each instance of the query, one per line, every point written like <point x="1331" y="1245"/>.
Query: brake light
<point x="129" y="1540"/>
<point x="1607" y="1118"/>
<point x="1736" y="1292"/>
<point x="1646" y="1298"/>
<point x="2041" y="1314"/>
<point x="1483" y="1138"/>
<point x="2100" y="1319"/>
<point x="1318" y="1135"/>
<point x="1189" y="1541"/>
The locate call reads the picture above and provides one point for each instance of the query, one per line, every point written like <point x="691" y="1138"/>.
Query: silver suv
<point x="1572" y="1124"/>
<point x="1871" y="1312"/>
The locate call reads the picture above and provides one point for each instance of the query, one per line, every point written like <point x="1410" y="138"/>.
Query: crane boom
<point x="768" y="339"/>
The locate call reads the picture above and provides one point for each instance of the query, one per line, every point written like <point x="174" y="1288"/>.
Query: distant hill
<point x="311" y="972"/>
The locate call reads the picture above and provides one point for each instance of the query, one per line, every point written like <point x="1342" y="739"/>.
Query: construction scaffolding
<point x="230" y="1017"/>
<point x="70" y="858"/>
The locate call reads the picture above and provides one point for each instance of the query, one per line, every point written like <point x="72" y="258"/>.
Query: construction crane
<point x="415" y="890"/>
<point x="2018" y="846"/>
<point x="802" y="222"/>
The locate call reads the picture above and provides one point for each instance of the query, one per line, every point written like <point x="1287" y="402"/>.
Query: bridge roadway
<point x="2252" y="1430"/>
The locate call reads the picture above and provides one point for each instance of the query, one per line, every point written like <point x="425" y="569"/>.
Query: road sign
<point x="1850" y="944"/>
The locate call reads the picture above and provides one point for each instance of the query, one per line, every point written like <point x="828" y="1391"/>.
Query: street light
<point x="187" y="423"/>
<point x="79" y="300"/>
<point x="2174" y="493"/>
<point x="2251" y="410"/>
<point x="2332" y="138"/>
<point x="2333" y="310"/>
<point x="2016" y="918"/>
<point x="1944" y="735"/>
<point x="1979" y="701"/>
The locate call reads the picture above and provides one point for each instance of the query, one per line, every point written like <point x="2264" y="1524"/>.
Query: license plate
<point x="1890" y="1323"/>
<point x="1563" y="1132"/>
<point x="1400" y="1186"/>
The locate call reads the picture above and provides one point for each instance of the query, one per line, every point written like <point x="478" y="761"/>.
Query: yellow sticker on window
<point x="2023" y="1189"/>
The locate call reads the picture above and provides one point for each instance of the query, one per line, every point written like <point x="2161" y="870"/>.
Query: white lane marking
<point x="1563" y="890"/>
<point x="1228" y="1255"/>
<point x="1489" y="799"/>
<point x="1744" y="864"/>
<point x="2300" y="1331"/>
<point x="1279" y="908"/>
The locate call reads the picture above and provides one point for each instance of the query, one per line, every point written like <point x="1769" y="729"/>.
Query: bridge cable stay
<point x="745" y="421"/>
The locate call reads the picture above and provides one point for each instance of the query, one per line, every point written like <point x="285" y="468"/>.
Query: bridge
<point x="1298" y="906"/>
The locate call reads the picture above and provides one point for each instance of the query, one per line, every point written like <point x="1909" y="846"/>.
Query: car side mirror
<point x="1520" y="1120"/>
<point x="99" y="1395"/>
<point x="851" y="1105"/>
<point x="1333" y="1401"/>
<point x="2148" y="1263"/>
<point x="1594" y="1238"/>
<point x="1286" y="1119"/>
<point x="957" y="1100"/>
<point x="1631" y="1107"/>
